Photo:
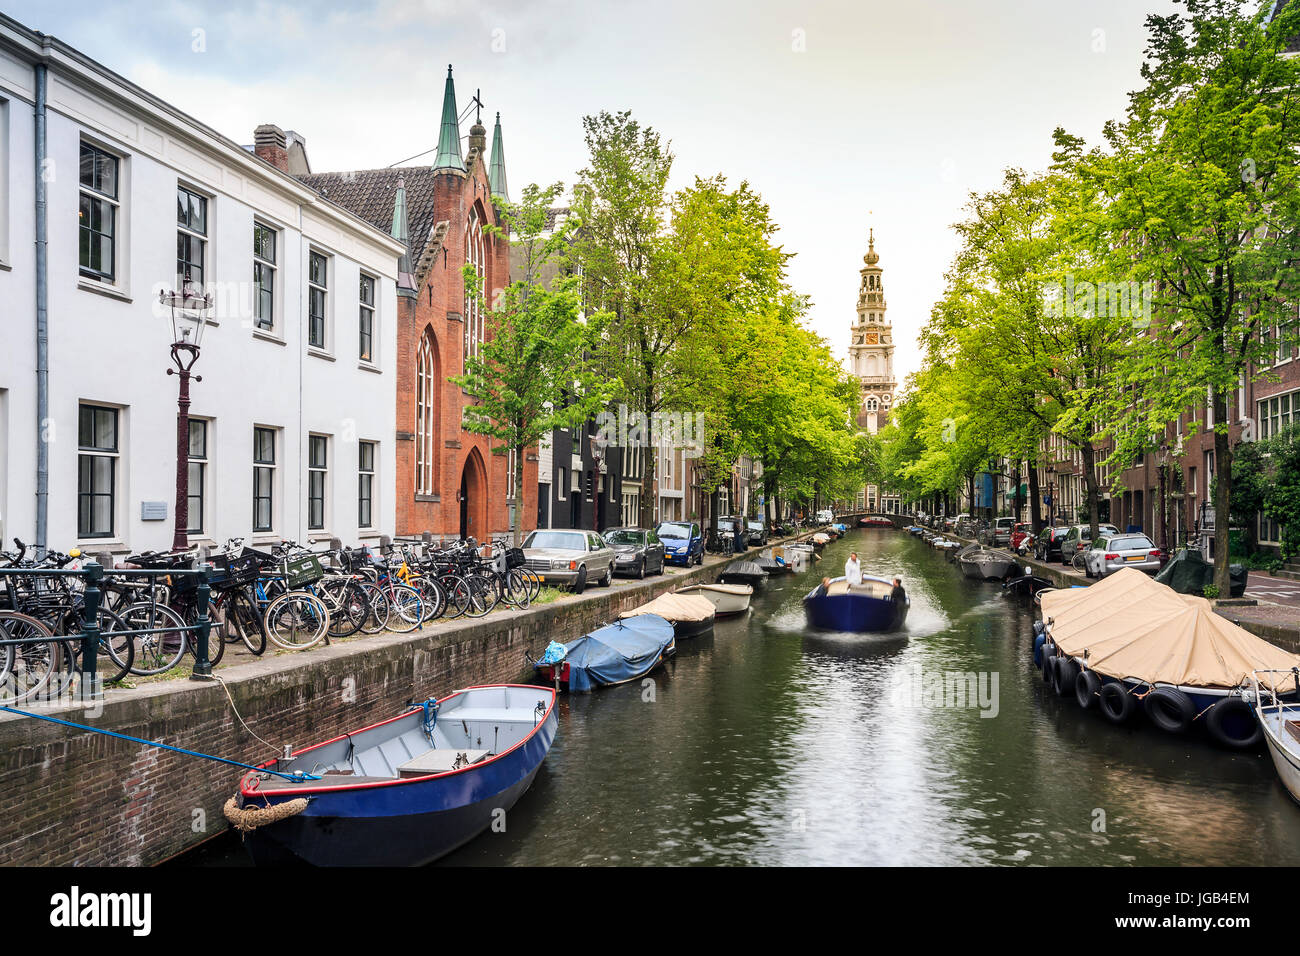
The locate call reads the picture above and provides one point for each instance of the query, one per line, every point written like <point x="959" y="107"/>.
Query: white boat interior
<point x="874" y="589"/>
<point x="472" y="726"/>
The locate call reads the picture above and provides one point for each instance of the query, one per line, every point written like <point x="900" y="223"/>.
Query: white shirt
<point x="853" y="571"/>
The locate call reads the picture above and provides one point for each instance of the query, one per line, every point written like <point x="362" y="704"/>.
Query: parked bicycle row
<point x="150" y="607"/>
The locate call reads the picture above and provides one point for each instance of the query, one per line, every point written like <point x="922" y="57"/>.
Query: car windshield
<point x="1135" y="542"/>
<point x="625" y="537"/>
<point x="567" y="540"/>
<point x="674" y="531"/>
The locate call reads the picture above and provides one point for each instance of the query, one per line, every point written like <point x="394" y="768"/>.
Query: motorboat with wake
<point x="860" y="608"/>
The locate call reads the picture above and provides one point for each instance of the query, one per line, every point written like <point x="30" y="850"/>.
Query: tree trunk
<point x="1035" y="499"/>
<point x="1222" y="493"/>
<point x="517" y="527"/>
<point x="1089" y="455"/>
<point x="649" y="464"/>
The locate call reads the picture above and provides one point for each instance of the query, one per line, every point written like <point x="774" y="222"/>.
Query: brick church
<point x="449" y="481"/>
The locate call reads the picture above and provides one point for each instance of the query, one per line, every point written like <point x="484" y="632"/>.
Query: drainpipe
<point x="42" y="323"/>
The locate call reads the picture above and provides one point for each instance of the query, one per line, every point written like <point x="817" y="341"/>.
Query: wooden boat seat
<point x="440" y="760"/>
<point x="1293" y="728"/>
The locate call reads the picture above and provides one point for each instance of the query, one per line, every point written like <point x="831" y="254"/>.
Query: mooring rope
<point x="238" y="717"/>
<point x="297" y="776"/>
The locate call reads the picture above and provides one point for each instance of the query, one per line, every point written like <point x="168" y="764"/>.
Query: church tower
<point x="871" y="350"/>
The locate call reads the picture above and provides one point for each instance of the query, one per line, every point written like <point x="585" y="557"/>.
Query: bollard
<point x="202" y="627"/>
<point x="94" y="574"/>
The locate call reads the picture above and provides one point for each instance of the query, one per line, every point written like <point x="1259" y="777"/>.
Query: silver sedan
<point x="570" y="558"/>
<point x="1109" y="554"/>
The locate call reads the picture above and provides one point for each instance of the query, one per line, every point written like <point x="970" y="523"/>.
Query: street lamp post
<point x="188" y="310"/>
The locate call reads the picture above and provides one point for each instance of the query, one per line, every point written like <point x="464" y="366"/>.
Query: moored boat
<point x="728" y="599"/>
<point x="613" y="654"/>
<point x="865" y="607"/>
<point x="689" y="614"/>
<point x="986" y="564"/>
<point x="404" y="791"/>
<point x="1130" y="643"/>
<point x="743" y="572"/>
<point x="1280" y="723"/>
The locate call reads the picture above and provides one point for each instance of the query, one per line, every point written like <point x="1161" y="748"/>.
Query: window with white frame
<point x="1277" y="412"/>
<point x="317" y="300"/>
<point x="265" y="265"/>
<point x="97" y="212"/>
<point x="475" y="256"/>
<point x="264" y="466"/>
<point x="198" y="475"/>
<point x="97" y="461"/>
<point x="191" y="237"/>
<point x="318" y="454"/>
<point x="366" y="484"/>
<point x="366" y="320"/>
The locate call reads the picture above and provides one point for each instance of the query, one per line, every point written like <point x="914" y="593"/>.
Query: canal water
<point x="767" y="744"/>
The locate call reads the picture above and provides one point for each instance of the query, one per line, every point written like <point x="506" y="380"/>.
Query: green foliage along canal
<point x="766" y="744"/>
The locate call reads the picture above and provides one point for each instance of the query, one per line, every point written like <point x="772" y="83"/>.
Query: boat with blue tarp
<point x="613" y="654"/>
<point x="865" y="607"/>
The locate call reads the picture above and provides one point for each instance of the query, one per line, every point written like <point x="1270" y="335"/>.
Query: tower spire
<point x="401" y="232"/>
<point x="497" y="167"/>
<point x="449" y="155"/>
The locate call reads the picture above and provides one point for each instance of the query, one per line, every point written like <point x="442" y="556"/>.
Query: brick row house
<point x="449" y="482"/>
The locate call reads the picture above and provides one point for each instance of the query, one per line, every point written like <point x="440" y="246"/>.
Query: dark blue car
<point x="683" y="542"/>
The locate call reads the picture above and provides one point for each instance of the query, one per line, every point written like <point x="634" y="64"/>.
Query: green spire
<point x="497" y="168"/>
<point x="449" y="138"/>
<point x="401" y="232"/>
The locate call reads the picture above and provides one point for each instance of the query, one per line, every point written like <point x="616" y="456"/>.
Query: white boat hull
<point x="728" y="599"/>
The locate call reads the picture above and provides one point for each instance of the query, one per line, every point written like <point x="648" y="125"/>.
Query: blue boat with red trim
<point x="404" y="791"/>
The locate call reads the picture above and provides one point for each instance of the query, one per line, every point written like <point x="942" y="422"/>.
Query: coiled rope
<point x="248" y="819"/>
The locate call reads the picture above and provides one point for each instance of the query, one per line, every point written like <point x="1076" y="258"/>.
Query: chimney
<point x="269" y="143"/>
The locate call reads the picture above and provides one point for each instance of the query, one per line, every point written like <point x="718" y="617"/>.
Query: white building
<point x="294" y="419"/>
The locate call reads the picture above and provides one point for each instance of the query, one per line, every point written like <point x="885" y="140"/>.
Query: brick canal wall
<point x="73" y="797"/>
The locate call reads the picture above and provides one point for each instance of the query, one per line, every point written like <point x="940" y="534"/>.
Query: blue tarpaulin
<point x="617" y="652"/>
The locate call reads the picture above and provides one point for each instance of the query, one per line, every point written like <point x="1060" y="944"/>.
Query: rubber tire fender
<point x="1067" y="669"/>
<point x="1169" y="709"/>
<point x="1086" y="687"/>
<point x="1226" y="710"/>
<point x="1039" y="641"/>
<point x="1117" y="704"/>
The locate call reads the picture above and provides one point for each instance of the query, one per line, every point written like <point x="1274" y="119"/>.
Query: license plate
<point x="1134" y="557"/>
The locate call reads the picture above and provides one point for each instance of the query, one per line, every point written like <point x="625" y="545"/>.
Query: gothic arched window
<point x="426" y="413"/>
<point x="873" y="405"/>
<point x="475" y="256"/>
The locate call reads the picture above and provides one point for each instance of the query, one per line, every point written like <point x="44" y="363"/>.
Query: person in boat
<point x="824" y="588"/>
<point x="853" y="569"/>
<point x="898" y="595"/>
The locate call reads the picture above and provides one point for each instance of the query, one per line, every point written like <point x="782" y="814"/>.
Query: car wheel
<point x="640" y="569"/>
<point x="609" y="577"/>
<point x="581" y="583"/>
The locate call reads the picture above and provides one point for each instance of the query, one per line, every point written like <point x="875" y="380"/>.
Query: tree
<point x="1200" y="200"/>
<point x="532" y="373"/>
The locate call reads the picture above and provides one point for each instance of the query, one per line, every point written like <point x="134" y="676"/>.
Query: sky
<point x="844" y="114"/>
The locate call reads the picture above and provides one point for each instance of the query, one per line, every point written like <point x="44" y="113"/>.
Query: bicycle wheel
<point x="458" y="594"/>
<point x="433" y="597"/>
<point x="297" y="620"/>
<point x="406" y="609"/>
<point x="348" y="606"/>
<point x="216" y="639"/>
<point x="156" y="650"/>
<point x="517" y="589"/>
<point x="32" y="664"/>
<point x="482" y="596"/>
<point x="244" y="619"/>
<point x="116" y="651"/>
<point x="378" y="606"/>
<point x="1078" y="562"/>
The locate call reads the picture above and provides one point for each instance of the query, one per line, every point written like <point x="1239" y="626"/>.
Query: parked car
<point x="636" y="551"/>
<point x="1047" y="545"/>
<point x="757" y="530"/>
<point x="569" y="558"/>
<point x="1111" y="552"/>
<point x="683" y="542"/>
<point x="1001" y="531"/>
<point x="1079" y="537"/>
<point x="1019" y="532"/>
<point x="825" y="516"/>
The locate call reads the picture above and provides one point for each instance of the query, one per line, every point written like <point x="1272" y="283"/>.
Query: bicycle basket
<point x="302" y="571"/>
<point x="515" y="557"/>
<point x="240" y="570"/>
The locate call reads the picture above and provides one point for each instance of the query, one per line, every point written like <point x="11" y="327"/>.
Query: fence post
<point x="202" y="626"/>
<point x="94" y="573"/>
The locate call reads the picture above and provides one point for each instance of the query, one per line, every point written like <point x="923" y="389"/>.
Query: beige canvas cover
<point x="676" y="607"/>
<point x="1131" y="626"/>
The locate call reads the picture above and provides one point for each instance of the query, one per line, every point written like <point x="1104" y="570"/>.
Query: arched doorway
<point x="473" y="498"/>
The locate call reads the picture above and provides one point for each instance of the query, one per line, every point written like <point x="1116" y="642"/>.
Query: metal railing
<point x="92" y="574"/>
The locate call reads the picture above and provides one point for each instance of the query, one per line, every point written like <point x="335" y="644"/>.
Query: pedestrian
<point x="853" y="569"/>
<point x="898" y="595"/>
<point x="740" y="537"/>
